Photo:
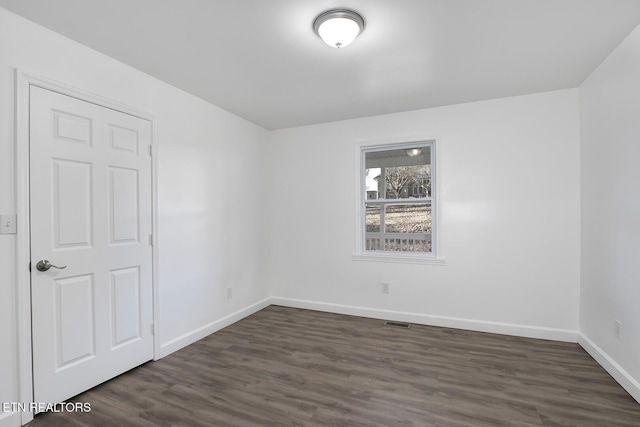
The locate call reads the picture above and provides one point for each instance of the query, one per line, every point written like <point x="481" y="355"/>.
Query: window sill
<point x="401" y="259"/>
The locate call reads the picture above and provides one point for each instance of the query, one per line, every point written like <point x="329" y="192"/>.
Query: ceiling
<point x="262" y="61"/>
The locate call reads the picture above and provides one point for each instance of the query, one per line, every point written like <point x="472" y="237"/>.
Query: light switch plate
<point x="7" y="224"/>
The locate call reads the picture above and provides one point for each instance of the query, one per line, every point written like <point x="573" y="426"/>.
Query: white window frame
<point x="361" y="254"/>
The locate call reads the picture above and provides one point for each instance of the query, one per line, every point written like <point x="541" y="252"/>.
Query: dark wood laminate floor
<point x="291" y="367"/>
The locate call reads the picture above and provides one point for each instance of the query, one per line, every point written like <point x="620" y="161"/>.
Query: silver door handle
<point x="44" y="265"/>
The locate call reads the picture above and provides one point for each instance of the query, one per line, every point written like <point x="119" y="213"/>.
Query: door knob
<point x="44" y="265"/>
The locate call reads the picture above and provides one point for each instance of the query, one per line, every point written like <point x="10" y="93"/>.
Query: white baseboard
<point x="611" y="366"/>
<point x="442" y="321"/>
<point x="10" y="419"/>
<point x="193" y="336"/>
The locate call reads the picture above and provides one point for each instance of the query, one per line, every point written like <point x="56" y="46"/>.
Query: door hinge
<point x="153" y="329"/>
<point x="151" y="239"/>
<point x="151" y="150"/>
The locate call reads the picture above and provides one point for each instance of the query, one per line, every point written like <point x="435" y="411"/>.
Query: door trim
<point x="23" y="81"/>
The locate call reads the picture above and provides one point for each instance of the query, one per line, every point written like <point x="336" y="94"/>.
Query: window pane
<point x="372" y="179"/>
<point x="407" y="227"/>
<point x="398" y="174"/>
<point x="372" y="218"/>
<point x="407" y="218"/>
<point x="408" y="181"/>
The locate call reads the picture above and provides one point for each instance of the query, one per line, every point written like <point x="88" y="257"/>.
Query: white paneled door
<point x="90" y="196"/>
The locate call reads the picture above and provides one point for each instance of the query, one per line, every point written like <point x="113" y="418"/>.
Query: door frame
<point x="23" y="81"/>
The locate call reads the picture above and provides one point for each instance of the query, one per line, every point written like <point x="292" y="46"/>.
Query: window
<point x="397" y="200"/>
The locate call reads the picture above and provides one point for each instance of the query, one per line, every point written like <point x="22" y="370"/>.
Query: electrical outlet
<point x="7" y="224"/>
<point x="385" y="288"/>
<point x="617" y="329"/>
<point x="229" y="292"/>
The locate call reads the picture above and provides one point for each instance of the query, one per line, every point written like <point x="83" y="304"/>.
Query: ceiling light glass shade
<point x="338" y="27"/>
<point x="412" y="152"/>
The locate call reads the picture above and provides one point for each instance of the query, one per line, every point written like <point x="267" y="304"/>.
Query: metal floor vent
<point x="397" y="324"/>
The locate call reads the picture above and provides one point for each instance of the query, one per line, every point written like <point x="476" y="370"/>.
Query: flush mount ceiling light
<point x="412" y="152"/>
<point x="338" y="27"/>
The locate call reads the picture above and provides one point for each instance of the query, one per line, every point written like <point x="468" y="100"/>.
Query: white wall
<point x="510" y="218"/>
<point x="610" y="182"/>
<point x="211" y="234"/>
